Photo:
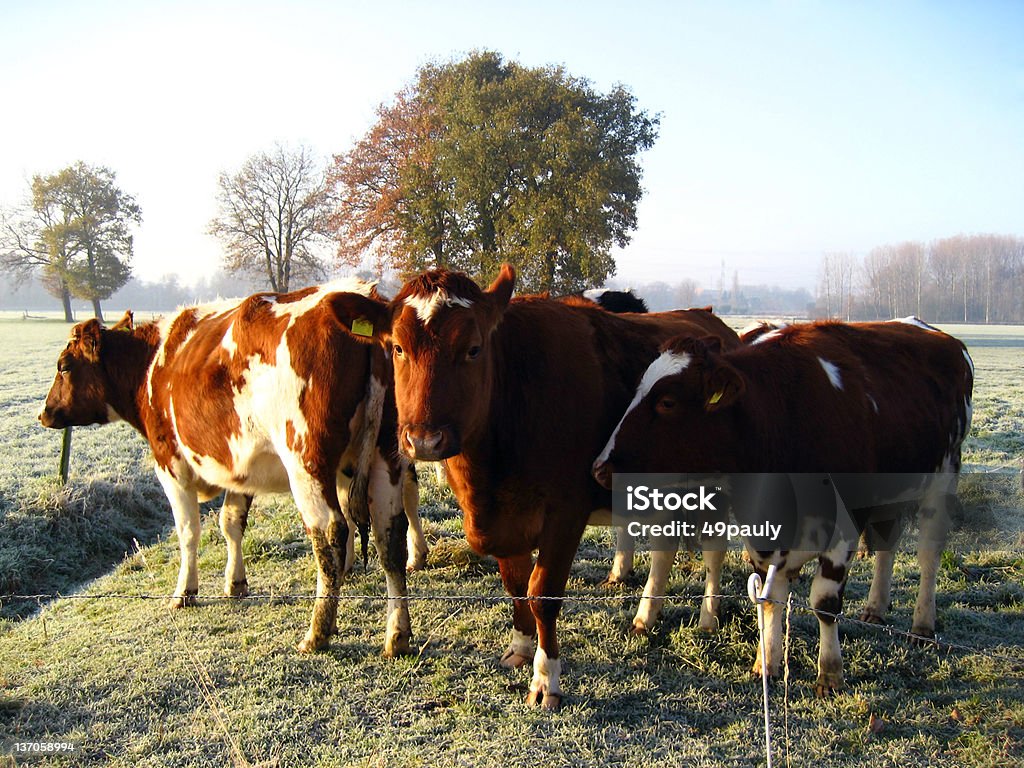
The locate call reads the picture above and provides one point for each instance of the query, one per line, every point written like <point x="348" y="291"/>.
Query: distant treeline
<point x="967" y="278"/>
<point x="136" y="294"/>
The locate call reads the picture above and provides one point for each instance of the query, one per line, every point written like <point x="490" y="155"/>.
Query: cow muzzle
<point x="428" y="443"/>
<point x="603" y="471"/>
<point x="51" y="419"/>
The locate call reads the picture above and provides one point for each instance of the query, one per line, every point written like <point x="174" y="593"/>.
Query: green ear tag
<point x="362" y="327"/>
<point x="715" y="397"/>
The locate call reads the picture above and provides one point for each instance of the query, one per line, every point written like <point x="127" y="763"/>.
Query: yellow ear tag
<point x="362" y="327"/>
<point x="716" y="397"/>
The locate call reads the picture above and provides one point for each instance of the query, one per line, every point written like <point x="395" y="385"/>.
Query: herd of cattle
<point x="532" y="403"/>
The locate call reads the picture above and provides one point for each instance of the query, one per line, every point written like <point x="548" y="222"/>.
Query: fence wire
<point x="270" y="598"/>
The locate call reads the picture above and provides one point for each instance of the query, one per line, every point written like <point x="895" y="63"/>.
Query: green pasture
<point x="131" y="683"/>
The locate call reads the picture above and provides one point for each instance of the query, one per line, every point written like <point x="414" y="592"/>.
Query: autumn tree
<point x="273" y="216"/>
<point x="483" y="160"/>
<point x="74" y="234"/>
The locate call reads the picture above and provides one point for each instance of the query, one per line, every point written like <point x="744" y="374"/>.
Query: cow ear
<point x="500" y="290"/>
<point x="712" y="344"/>
<point x="88" y="335"/>
<point x="365" y="319"/>
<point x="723" y="385"/>
<point x="126" y="323"/>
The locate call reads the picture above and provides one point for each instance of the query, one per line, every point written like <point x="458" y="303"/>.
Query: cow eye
<point x="62" y="366"/>
<point x="399" y="352"/>
<point x="666" y="404"/>
<point x="473" y="352"/>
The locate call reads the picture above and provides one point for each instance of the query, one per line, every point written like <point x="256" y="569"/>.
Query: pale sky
<point x="788" y="128"/>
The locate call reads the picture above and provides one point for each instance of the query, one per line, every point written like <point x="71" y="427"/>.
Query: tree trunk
<point x="65" y="298"/>
<point x="96" y="310"/>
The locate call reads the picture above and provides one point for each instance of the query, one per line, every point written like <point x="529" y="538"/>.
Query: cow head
<point x="675" y="422"/>
<point x="79" y="395"/>
<point x="439" y="330"/>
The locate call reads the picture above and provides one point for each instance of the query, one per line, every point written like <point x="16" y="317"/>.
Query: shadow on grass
<point x="54" y="539"/>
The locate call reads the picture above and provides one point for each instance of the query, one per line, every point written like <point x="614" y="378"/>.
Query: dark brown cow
<point x="264" y="395"/>
<point x="517" y="397"/>
<point x="825" y="397"/>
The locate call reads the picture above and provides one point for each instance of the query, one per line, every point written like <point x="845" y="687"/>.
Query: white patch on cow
<point x="832" y="371"/>
<point x="296" y="309"/>
<point x="874" y="403"/>
<point x="594" y="293"/>
<point x="970" y="362"/>
<point x="546" y="674"/>
<point x="770" y="336"/>
<point x="915" y="321"/>
<point x="522" y="645"/>
<point x="761" y="325"/>
<point x="228" y="342"/>
<point x="667" y="364"/>
<point x="427" y="306"/>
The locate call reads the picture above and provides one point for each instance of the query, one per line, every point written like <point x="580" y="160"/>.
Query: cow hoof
<point x="399" y="645"/>
<point x="640" y="628"/>
<point x="312" y="645"/>
<point x="237" y="589"/>
<point x="514" y="660"/>
<point x="871" y="616"/>
<point x="756" y="671"/>
<point x="549" y="701"/>
<point x="827" y="686"/>
<point x="187" y="600"/>
<point x="922" y="637"/>
<point x="418" y="562"/>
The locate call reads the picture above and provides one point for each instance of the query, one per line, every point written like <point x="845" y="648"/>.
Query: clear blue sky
<point x="788" y="128"/>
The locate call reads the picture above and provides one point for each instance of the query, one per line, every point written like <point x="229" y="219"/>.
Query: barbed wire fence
<point x="200" y="677"/>
<point x="460" y="602"/>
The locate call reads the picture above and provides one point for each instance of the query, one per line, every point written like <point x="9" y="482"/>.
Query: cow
<point x="261" y="395"/>
<point x="826" y="397"/>
<point x="517" y="396"/>
<point x="616" y="301"/>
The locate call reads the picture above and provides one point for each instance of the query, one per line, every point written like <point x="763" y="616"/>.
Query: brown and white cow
<point x="517" y="396"/>
<point x="826" y="397"/>
<point x="263" y="395"/>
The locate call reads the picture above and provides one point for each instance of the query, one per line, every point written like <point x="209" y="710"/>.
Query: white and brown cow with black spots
<point x="865" y="398"/>
<point x="262" y="395"/>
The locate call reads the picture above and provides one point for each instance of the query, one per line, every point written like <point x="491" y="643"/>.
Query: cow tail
<point x="358" y="494"/>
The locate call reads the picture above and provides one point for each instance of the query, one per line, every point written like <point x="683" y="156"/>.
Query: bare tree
<point x="273" y="217"/>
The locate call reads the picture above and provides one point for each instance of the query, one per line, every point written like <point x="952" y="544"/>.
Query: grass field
<point x="134" y="684"/>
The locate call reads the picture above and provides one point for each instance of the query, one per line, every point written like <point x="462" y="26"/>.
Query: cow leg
<point x="622" y="562"/>
<point x="934" y="520"/>
<point x="651" y="602"/>
<point x="548" y="579"/>
<point x="880" y="593"/>
<point x="416" y="542"/>
<point x="515" y="575"/>
<point x="713" y="559"/>
<point x="389" y="525"/>
<point x="318" y="504"/>
<point x="185" y="507"/>
<point x="234" y="515"/>
<point x="827" y="600"/>
<point x="774" y="607"/>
